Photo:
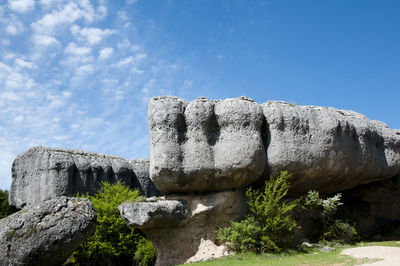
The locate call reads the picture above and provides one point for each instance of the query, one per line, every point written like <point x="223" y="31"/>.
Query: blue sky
<point x="78" y="74"/>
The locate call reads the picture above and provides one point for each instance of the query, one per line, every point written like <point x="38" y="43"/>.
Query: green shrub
<point x="341" y="232"/>
<point x="145" y="253"/>
<point x="5" y="208"/>
<point x="269" y="224"/>
<point x="113" y="243"/>
<point x="326" y="225"/>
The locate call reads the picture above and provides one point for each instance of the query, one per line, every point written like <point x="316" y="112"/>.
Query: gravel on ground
<point x="389" y="256"/>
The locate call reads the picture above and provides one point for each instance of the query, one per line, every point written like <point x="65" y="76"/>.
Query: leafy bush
<point x="342" y="232"/>
<point x="113" y="243"/>
<point x="145" y="253"/>
<point x="269" y="225"/>
<point x="326" y="224"/>
<point x="5" y="208"/>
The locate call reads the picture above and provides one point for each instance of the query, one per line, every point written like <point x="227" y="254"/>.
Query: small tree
<point x="113" y="242"/>
<point x="269" y="223"/>
<point x="327" y="226"/>
<point x="5" y="208"/>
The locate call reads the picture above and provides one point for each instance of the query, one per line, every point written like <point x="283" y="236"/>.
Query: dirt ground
<point x="389" y="256"/>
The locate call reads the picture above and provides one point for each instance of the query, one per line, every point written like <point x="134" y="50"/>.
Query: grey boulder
<point x="47" y="233"/>
<point x="41" y="173"/>
<point x="151" y="214"/>
<point x="327" y="149"/>
<point x="205" y="145"/>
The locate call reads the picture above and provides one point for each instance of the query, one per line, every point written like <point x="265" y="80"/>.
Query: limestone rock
<point x="205" y="145"/>
<point x="141" y="180"/>
<point x="327" y="149"/>
<point x="376" y="207"/>
<point x="150" y="214"/>
<point x="47" y="233"/>
<point x="188" y="233"/>
<point x="41" y="173"/>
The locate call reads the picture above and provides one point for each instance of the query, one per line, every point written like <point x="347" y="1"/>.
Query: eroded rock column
<point x="182" y="228"/>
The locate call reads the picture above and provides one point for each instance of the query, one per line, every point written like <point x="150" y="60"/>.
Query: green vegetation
<point x="5" y="208"/>
<point x="269" y="225"/>
<point x="145" y="252"/>
<point x="113" y="243"/>
<point x="312" y="257"/>
<point x="326" y="224"/>
<point x="10" y="234"/>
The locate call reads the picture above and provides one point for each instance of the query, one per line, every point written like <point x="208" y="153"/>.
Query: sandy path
<point x="390" y="255"/>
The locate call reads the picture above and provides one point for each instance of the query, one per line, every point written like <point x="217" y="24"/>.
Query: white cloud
<point x="67" y="94"/>
<point x="9" y="96"/>
<point x="19" y="118"/>
<point x="92" y="35"/>
<point x="45" y="40"/>
<point x="72" y="48"/>
<point x="17" y="80"/>
<point x="141" y="56"/>
<point x="106" y="53"/>
<point x="85" y="69"/>
<point x="131" y="59"/>
<point x="67" y="15"/>
<point x="49" y="3"/>
<point x="125" y="44"/>
<point x="54" y="93"/>
<point x="25" y="64"/>
<point x="125" y="61"/>
<point x="6" y="159"/>
<point x="15" y="27"/>
<point x="5" y="42"/>
<point x="21" y="6"/>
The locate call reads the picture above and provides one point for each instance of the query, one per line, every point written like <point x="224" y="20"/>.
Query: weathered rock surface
<point x="205" y="145"/>
<point x="141" y="180"/>
<point x="376" y="206"/>
<point x="47" y="233"/>
<point x="41" y="173"/>
<point x="327" y="149"/>
<point x="182" y="227"/>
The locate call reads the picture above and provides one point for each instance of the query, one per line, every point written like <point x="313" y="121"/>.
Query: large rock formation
<point x="47" y="233"/>
<point x="41" y="173"/>
<point x="327" y="149"/>
<point x="218" y="146"/>
<point x="205" y="145"/>
<point x="182" y="227"/>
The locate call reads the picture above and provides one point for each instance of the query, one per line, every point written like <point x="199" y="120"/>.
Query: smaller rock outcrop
<point x="205" y="145"/>
<point x="183" y="227"/>
<point x="46" y="233"/>
<point x="41" y="173"/>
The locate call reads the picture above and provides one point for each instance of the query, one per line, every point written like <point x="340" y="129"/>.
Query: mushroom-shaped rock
<point x="205" y="145"/>
<point x="46" y="233"/>
<point x="182" y="227"/>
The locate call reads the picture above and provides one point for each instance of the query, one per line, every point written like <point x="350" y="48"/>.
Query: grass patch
<point x="313" y="256"/>
<point x="394" y="243"/>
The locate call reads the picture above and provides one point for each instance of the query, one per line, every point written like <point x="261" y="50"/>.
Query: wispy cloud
<point x="92" y="35"/>
<point x="21" y="6"/>
<point x="76" y="77"/>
